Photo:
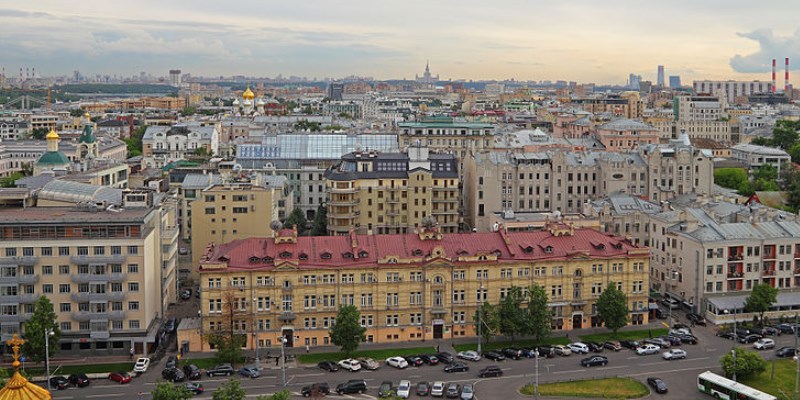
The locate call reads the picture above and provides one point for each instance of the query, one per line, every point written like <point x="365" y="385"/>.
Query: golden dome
<point x="17" y="387"/>
<point x="248" y="94"/>
<point x="52" y="134"/>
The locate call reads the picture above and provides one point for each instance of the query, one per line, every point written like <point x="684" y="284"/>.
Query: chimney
<point x="786" y="77"/>
<point x="773" y="76"/>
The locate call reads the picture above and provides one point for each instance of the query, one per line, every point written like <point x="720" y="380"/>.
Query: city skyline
<point x="579" y="41"/>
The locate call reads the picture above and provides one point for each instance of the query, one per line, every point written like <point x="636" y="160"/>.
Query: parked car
<point x="192" y="371"/>
<point x="141" y="365"/>
<point x="119" y="377"/>
<point x="647" y="349"/>
<point x="423" y="388"/>
<point x="674" y="354"/>
<point x="578" y="348"/>
<point x="690" y="339"/>
<point x="186" y="294"/>
<point x="629" y="344"/>
<point x="316" y="389"/>
<point x="220" y="369"/>
<point x="752" y="338"/>
<point x="350" y="364"/>
<point x="429" y="359"/>
<point x="250" y="371"/>
<point x="562" y="350"/>
<point x="673" y="340"/>
<point x="445" y="357"/>
<point x="660" y="314"/>
<point x="727" y="335"/>
<point x="453" y="390"/>
<point x="679" y="325"/>
<point x="594" y="360"/>
<point x="397" y="362"/>
<point x="658" y="342"/>
<point x="763" y="344"/>
<point x="512" y="353"/>
<point x="171" y="325"/>
<point x="414" y="361"/>
<point x="491" y="370"/>
<point x="493" y="355"/>
<point x="328" y="365"/>
<point x="172" y="362"/>
<point x="194" y="387"/>
<point x="79" y="380"/>
<point x="546" y="351"/>
<point x="59" y="382"/>
<point x="352" y="386"/>
<point x="670" y="303"/>
<point x="595" y="347"/>
<point x="437" y="390"/>
<point x="404" y="389"/>
<point x="173" y="374"/>
<point x="786" y="328"/>
<point x="467" y="392"/>
<point x="469" y="355"/>
<point x="613" y="345"/>
<point x="528" y="352"/>
<point x="696" y="318"/>
<point x="770" y="331"/>
<point x="368" y="363"/>
<point x="680" y="331"/>
<point x="657" y="384"/>
<point x="785" y="352"/>
<point x="456" y="367"/>
<point x="386" y="389"/>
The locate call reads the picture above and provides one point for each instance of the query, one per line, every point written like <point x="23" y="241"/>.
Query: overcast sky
<point x="585" y="41"/>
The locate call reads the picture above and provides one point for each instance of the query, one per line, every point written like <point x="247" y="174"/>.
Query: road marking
<point x="106" y="395"/>
<point x="305" y="375"/>
<point x="415" y="376"/>
<point x="710" y="350"/>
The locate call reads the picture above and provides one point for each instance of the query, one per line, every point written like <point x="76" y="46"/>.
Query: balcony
<point x="84" y="316"/>
<point x="735" y="275"/>
<point x="393" y="200"/>
<point x="342" y="190"/>
<point x="13" y="261"/>
<point x="86" y="296"/>
<point x="103" y="259"/>
<point x="769" y="272"/>
<point x="287" y="316"/>
<point x="28" y="279"/>
<point x="344" y="202"/>
<point x="28" y="298"/>
<point x="392" y="213"/>
<point x="15" y="318"/>
<point x="736" y="257"/>
<point x="438" y="310"/>
<point x="117" y="315"/>
<point x="86" y="278"/>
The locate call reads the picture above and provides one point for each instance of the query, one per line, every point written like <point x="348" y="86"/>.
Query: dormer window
<point x="618" y="246"/>
<point x="363" y="254"/>
<point x="528" y="249"/>
<point x="417" y="252"/>
<point x="303" y="256"/>
<point x="548" y="249"/>
<point x="497" y="253"/>
<point x="255" y="260"/>
<point x="326" y="256"/>
<point x="347" y="255"/>
<point x="267" y="260"/>
<point x="286" y="254"/>
<point x="462" y="252"/>
<point x="223" y="259"/>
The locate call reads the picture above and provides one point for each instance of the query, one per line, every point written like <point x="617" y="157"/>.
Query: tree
<point x="761" y="299"/>
<point x="784" y="135"/>
<point x="39" y="133"/>
<point x="282" y="395"/>
<point x="761" y="141"/>
<point x="540" y="316"/>
<point x="794" y="151"/>
<point x="489" y="321"/>
<point x="731" y="178"/>
<point x="188" y="110"/>
<point x="42" y="320"/>
<point x="512" y="318"/>
<point x="296" y="217"/>
<point x="748" y="363"/>
<point x="167" y="391"/>
<point x="764" y="178"/>
<point x="77" y="112"/>
<point x="347" y="333"/>
<point x="8" y="182"/>
<point x="228" y="339"/>
<point x="135" y="141"/>
<point x="231" y="390"/>
<point x="320" y="225"/>
<point x="202" y="152"/>
<point x="612" y="307"/>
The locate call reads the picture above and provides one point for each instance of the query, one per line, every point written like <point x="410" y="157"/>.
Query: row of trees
<point x="231" y="390"/>
<point x="318" y="227"/>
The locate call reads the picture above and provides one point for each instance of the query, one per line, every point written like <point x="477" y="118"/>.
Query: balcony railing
<point x="769" y="272"/>
<point x="24" y="260"/>
<point x="86" y="296"/>
<point x="84" y="316"/>
<point x="86" y="278"/>
<point x="103" y="259"/>
<point x="735" y="275"/>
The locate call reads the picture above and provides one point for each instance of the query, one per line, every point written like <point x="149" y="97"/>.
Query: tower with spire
<point x="427" y="80"/>
<point x="87" y="143"/>
<point x="52" y="158"/>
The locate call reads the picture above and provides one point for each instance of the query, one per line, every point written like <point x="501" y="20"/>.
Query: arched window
<point x="363" y="254"/>
<point x="286" y="254"/>
<point x="303" y="256"/>
<point x="326" y="256"/>
<point x="267" y="260"/>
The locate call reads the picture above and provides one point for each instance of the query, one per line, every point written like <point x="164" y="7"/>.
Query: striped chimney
<point x="773" y="76"/>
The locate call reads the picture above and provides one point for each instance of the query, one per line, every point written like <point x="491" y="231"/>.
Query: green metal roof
<point x="53" y="158"/>
<point x="87" y="136"/>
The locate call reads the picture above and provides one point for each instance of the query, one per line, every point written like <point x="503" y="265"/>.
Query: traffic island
<point x="608" y="388"/>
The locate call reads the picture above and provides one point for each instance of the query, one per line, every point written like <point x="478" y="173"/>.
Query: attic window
<point x="462" y="252"/>
<point x="391" y="261"/>
<point x="548" y="249"/>
<point x="363" y="254"/>
<point x="303" y="256"/>
<point x="497" y="253"/>
<point x="286" y="254"/>
<point x="347" y="255"/>
<point x="528" y="249"/>
<point x="254" y="260"/>
<point x="267" y="260"/>
<point x="326" y="256"/>
<point x="223" y="258"/>
<point x="618" y="245"/>
<point x="599" y="246"/>
<point x="417" y="252"/>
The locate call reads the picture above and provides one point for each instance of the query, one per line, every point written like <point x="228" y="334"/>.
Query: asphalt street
<point x="680" y="375"/>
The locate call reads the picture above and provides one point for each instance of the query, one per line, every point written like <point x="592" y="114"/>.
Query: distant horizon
<point x="580" y="40"/>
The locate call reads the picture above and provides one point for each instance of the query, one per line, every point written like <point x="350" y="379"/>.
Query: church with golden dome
<point x="17" y="387"/>
<point x="249" y="105"/>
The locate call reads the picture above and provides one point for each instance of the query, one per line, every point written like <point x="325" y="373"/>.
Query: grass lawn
<point x="625" y="335"/>
<point x="202" y="363"/>
<point x="377" y="355"/>
<point x="609" y="388"/>
<point x="784" y="379"/>
<point x="517" y="343"/>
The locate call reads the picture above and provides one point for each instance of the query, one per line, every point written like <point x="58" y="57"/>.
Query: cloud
<point x="770" y="46"/>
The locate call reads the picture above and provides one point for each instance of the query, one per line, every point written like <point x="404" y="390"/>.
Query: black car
<point x="595" y="347"/>
<point x="329" y="366"/>
<point x="445" y="357"/>
<point x="429" y="359"/>
<point x="660" y="314"/>
<point x="680" y="326"/>
<point x="316" y="389"/>
<point x="352" y="386"/>
<point x="785" y="352"/>
<point x="629" y="344"/>
<point x="546" y="351"/>
<point x="493" y="355"/>
<point x="192" y="371"/>
<point x="690" y="339"/>
<point x="657" y="384"/>
<point x="59" y="382"/>
<point x="512" y="353"/>
<point x="173" y="374"/>
<point x="171" y="324"/>
<point x="696" y="318"/>
<point x="386" y="389"/>
<point x="726" y="335"/>
<point x="612" y="345"/>
<point x="456" y="367"/>
<point x="221" y="369"/>
<point x="172" y="362"/>
<point x="528" y="353"/>
<point x="79" y="380"/>
<point x="673" y="340"/>
<point x="770" y="331"/>
<point x="423" y="388"/>
<point x="594" y="360"/>
<point x="414" y="361"/>
<point x="492" y="370"/>
<point x="750" y="338"/>
<point x="786" y="328"/>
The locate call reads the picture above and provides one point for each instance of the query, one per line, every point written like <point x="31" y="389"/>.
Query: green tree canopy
<point x="761" y="299"/>
<point x="540" y="315"/>
<point x="513" y="319"/>
<point x="489" y="321"/>
<point x="168" y="391"/>
<point x="748" y="363"/>
<point x="296" y="217"/>
<point x="228" y="346"/>
<point x="76" y="112"/>
<point x="785" y="135"/>
<point x="731" y="178"/>
<point x="42" y="320"/>
<point x="231" y="390"/>
<point x="282" y="395"/>
<point x="612" y="307"/>
<point x="347" y="333"/>
<point x="320" y="225"/>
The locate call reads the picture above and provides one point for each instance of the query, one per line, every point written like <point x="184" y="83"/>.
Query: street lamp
<point x="480" y="320"/>
<point x="283" y="361"/>
<point x="536" y="383"/>
<point x="735" y="338"/>
<point x="255" y="336"/>
<point x="47" y="333"/>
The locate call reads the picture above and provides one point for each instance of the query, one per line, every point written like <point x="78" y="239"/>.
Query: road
<point x="680" y="375"/>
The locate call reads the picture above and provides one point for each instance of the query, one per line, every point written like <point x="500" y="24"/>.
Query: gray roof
<point x="205" y="132"/>
<point x="625" y="124"/>
<point x="762" y="150"/>
<point x="626" y="204"/>
<point x="200" y="181"/>
<point x="737" y="301"/>
<point x="300" y="146"/>
<point x="76" y="192"/>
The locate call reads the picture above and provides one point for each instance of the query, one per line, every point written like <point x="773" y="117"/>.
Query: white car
<point x="647" y="349"/>
<point x="141" y="365"/>
<point x="404" y="389"/>
<point x="763" y="344"/>
<point x="368" y="363"/>
<point x="397" y="362"/>
<point x="578" y="348"/>
<point x="469" y="355"/>
<point x="350" y="364"/>
<point x="680" y="331"/>
<point x="562" y="350"/>
<point x="437" y="390"/>
<point x="674" y="354"/>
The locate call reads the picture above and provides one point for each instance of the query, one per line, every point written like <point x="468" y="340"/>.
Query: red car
<point x="121" y="377"/>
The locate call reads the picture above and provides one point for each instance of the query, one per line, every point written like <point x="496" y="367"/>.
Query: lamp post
<point x="255" y="336"/>
<point x="536" y="383"/>
<point x="480" y="319"/>
<point x="735" y="338"/>
<point x="283" y="362"/>
<point x="47" y="333"/>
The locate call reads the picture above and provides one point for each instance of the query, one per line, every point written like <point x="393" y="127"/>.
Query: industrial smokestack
<point x="773" y="76"/>
<point x="786" y="77"/>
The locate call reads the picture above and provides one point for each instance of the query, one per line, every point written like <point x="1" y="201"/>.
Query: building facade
<point x="164" y="144"/>
<point x="730" y="90"/>
<point x="411" y="287"/>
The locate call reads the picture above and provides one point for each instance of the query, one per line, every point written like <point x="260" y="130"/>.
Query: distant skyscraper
<point x="427" y="80"/>
<point x="674" y="82"/>
<point x="660" y="81"/>
<point x="633" y="81"/>
<point x="335" y="90"/>
<point x="175" y="77"/>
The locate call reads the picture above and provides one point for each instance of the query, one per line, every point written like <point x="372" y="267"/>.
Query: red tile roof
<point x="312" y="252"/>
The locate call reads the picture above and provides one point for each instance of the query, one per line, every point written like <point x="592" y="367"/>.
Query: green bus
<point x="725" y="389"/>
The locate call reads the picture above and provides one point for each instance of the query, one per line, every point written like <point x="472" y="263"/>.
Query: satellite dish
<point x="237" y="167"/>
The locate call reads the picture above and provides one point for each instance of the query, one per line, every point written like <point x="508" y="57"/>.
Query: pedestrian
<point x="650" y="333"/>
<point x="277" y="360"/>
<point x="307" y="349"/>
<point x="132" y="353"/>
<point x="141" y="395"/>
<point x="437" y="348"/>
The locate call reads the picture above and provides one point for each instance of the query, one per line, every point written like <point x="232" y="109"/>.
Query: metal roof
<point x="76" y="192"/>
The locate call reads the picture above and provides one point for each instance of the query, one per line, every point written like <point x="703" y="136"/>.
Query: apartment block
<point x="164" y="144"/>
<point x="447" y="135"/>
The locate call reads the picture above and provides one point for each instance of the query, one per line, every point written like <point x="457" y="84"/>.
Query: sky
<point x="575" y="40"/>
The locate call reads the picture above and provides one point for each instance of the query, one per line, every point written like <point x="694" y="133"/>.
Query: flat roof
<point x="63" y="215"/>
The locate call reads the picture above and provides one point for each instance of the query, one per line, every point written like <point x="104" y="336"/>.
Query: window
<point x="65" y="307"/>
<point x="210" y="210"/>
<point x="63" y="269"/>
<point x="47" y="288"/>
<point x="133" y="250"/>
<point x="66" y="326"/>
<point x="83" y="251"/>
<point x="133" y="268"/>
<point x="11" y="252"/>
<point x="133" y="286"/>
<point x="63" y="251"/>
<point x="133" y="324"/>
<point x="64" y="288"/>
<point x="99" y="250"/>
<point x="133" y="306"/>
<point x="47" y="270"/>
<point x="47" y="251"/>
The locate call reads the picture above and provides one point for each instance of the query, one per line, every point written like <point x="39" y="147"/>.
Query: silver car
<point x="467" y="392"/>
